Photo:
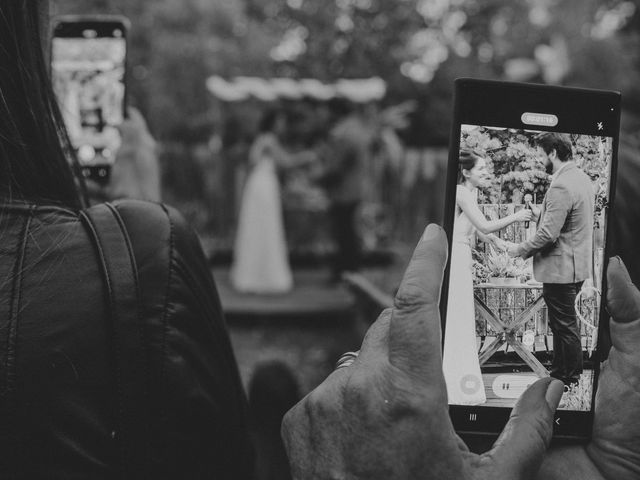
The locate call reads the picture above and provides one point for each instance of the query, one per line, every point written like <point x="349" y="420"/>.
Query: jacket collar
<point x="567" y="167"/>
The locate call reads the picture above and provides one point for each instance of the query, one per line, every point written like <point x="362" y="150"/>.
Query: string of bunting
<point x="268" y="90"/>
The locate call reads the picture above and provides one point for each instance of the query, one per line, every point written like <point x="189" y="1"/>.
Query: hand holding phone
<point x="384" y="416"/>
<point x="136" y="171"/>
<point x="614" y="450"/>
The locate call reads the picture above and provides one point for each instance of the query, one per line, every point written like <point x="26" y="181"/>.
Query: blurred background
<point x="201" y="72"/>
<point x="417" y="47"/>
<point x="204" y="72"/>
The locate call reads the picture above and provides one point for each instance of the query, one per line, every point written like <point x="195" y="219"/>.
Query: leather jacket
<point x="56" y="379"/>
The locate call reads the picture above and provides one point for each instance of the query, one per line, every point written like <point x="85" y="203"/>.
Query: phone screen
<point x="88" y="68"/>
<point x="527" y="258"/>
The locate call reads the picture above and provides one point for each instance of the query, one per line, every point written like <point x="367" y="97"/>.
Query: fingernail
<point x="554" y="394"/>
<point x="430" y="232"/>
<point x="617" y="257"/>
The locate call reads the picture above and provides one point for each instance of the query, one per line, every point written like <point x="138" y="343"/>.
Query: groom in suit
<point x="562" y="250"/>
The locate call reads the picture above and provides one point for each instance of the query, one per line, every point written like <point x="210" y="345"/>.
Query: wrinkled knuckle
<point x="317" y="405"/>
<point x="411" y="402"/>
<point x="409" y="297"/>
<point x="404" y="406"/>
<point x="357" y="391"/>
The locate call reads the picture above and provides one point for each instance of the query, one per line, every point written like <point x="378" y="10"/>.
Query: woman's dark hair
<point x="34" y="146"/>
<point x="467" y="160"/>
<point x="269" y="120"/>
<point x="560" y="142"/>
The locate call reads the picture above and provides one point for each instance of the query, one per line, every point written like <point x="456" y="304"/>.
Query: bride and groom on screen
<point x="561" y="249"/>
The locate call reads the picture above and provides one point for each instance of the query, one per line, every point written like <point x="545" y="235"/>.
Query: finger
<point x="134" y="115"/>
<point x="93" y="187"/>
<point x="375" y="343"/>
<point x="519" y="450"/>
<point x="295" y="432"/>
<point x="134" y="126"/>
<point x="414" y="333"/>
<point x="623" y="302"/>
<point x="622" y="295"/>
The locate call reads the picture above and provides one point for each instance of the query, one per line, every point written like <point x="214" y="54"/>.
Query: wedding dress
<point x="460" y="362"/>
<point x="261" y="263"/>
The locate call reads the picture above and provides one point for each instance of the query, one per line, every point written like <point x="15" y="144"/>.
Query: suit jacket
<point x="349" y="155"/>
<point x="562" y="247"/>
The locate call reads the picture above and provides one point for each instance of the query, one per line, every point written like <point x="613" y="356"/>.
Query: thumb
<point x="519" y="450"/>
<point x="414" y="332"/>
<point x="623" y="302"/>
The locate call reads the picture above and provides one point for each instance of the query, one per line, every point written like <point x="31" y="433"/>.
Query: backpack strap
<point x="128" y="338"/>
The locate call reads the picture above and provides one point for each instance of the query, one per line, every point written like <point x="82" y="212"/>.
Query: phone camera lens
<point x="86" y="153"/>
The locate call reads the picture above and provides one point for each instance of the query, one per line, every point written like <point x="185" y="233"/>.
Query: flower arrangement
<point x="500" y="264"/>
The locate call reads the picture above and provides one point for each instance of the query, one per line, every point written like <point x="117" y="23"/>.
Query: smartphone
<point x="531" y="175"/>
<point x="88" y="58"/>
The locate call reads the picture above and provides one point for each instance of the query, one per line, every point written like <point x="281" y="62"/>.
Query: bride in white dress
<point x="460" y="362"/>
<point x="261" y="263"/>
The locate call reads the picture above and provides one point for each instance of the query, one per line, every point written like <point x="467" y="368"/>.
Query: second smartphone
<point x="88" y="56"/>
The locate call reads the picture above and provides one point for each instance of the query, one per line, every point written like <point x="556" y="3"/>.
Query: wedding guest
<point x="624" y="219"/>
<point x="349" y="155"/>
<point x="116" y="362"/>
<point x="273" y="390"/>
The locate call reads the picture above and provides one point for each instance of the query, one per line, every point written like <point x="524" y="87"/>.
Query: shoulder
<point x="461" y="190"/>
<point x="573" y="180"/>
<point x="463" y="194"/>
<point x="151" y="222"/>
<point x="569" y="173"/>
<point x="161" y="239"/>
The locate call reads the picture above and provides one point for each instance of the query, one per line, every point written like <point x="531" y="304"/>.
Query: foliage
<point x="176" y="44"/>
<point x="517" y="168"/>
<point x="513" y="161"/>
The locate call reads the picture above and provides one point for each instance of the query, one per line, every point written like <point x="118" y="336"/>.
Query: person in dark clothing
<point x="624" y="220"/>
<point x="115" y="360"/>
<point x="273" y="390"/>
<point x="351" y="141"/>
